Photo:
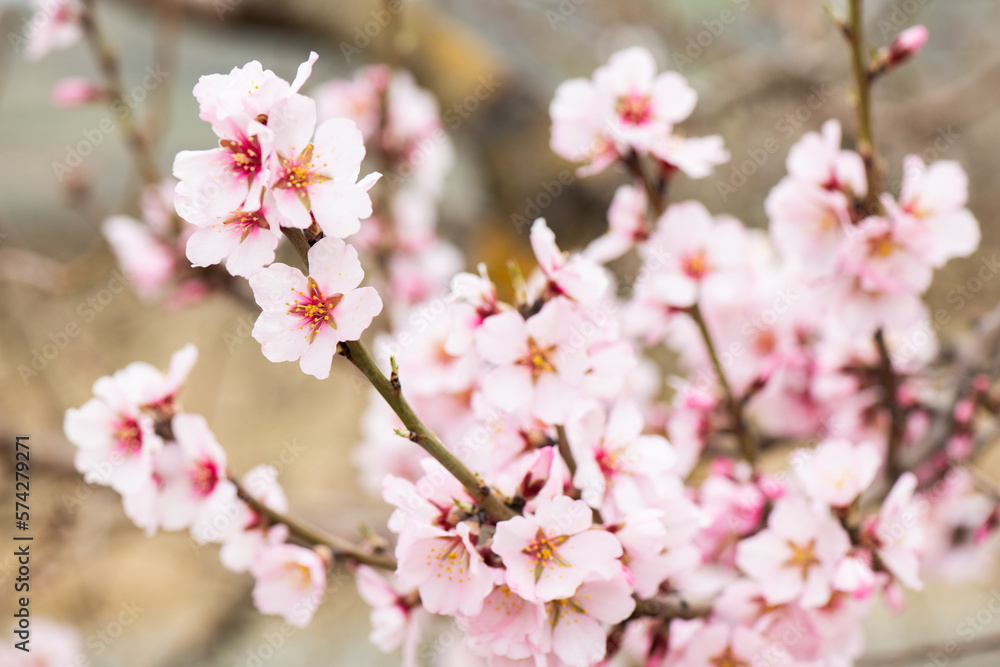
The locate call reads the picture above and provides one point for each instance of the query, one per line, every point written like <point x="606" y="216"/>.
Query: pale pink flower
<point x="290" y="581"/>
<point x="55" y="26"/>
<point x="508" y="625"/>
<point x="147" y="262"/>
<point x="50" y="643"/>
<point x="316" y="177"/>
<point x="936" y="197"/>
<point x="305" y="317"/>
<point x="715" y="643"/>
<point x="445" y="567"/>
<point x="796" y="556"/>
<point x="244" y="239"/>
<point x="357" y="98"/>
<point x="648" y="560"/>
<point x="548" y="555"/>
<point x="395" y="617"/>
<point x="817" y="159"/>
<point x="536" y="364"/>
<point x="899" y="532"/>
<point x="838" y="471"/>
<point x="576" y="628"/>
<point x="246" y="108"/>
<point x="571" y="275"/>
<point x="627" y="225"/>
<point x="807" y="224"/>
<point x="76" y="91"/>
<point x="617" y="465"/>
<point x="697" y="157"/>
<point x="194" y="488"/>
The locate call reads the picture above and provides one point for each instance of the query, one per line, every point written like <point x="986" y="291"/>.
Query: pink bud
<point x="907" y="44"/>
<point x="76" y="91"/>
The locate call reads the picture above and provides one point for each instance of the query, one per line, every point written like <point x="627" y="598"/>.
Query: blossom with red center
<point x="396" y="615"/>
<point x="535" y="364"/>
<point x="575" y="627"/>
<point x="627" y="107"/>
<point x="617" y="467"/>
<point x="193" y="484"/>
<point x="245" y="239"/>
<point x="305" y="317"/>
<point x="56" y="26"/>
<point x="290" y="582"/>
<point x="246" y="108"/>
<point x="316" y="177"/>
<point x="549" y="554"/>
<point x="796" y="557"/>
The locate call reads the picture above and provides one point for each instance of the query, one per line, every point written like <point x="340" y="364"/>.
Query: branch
<point x="734" y="406"/>
<point x="358" y="354"/>
<point x="339" y="546"/>
<point x="854" y="31"/>
<point x="889" y="381"/>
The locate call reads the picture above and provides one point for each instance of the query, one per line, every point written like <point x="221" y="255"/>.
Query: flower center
<point x="881" y="246"/>
<point x="610" y="462"/>
<point x="802" y="557"/>
<point x="204" y="477"/>
<point x="128" y="435"/>
<point x="727" y="659"/>
<point x="695" y="264"/>
<point x="634" y="109"/>
<point x="243" y="222"/>
<point x="538" y="359"/>
<point x="298" y="576"/>
<point x="297" y="173"/>
<point x="314" y="309"/>
<point x="542" y="552"/>
<point x="452" y="560"/>
<point x="244" y="152"/>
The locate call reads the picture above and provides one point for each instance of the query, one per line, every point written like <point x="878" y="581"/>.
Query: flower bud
<point x="76" y="91"/>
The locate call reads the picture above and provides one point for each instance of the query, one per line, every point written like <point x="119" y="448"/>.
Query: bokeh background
<point x="778" y="68"/>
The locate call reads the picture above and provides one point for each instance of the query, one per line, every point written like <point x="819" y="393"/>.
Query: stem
<point x="564" y="451"/>
<point x="854" y="30"/>
<point x="485" y="497"/>
<point x="107" y="59"/>
<point x="338" y="545"/>
<point x="358" y="354"/>
<point x="734" y="406"/>
<point x="890" y="383"/>
<point x="656" y="193"/>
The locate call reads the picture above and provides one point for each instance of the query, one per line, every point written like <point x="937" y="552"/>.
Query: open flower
<point x="305" y="317"/>
<point x="291" y="581"/>
<point x="575" y="276"/>
<point x="547" y="556"/>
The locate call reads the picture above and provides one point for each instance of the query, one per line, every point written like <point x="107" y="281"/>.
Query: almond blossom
<point x="305" y="317"/>
<point x="290" y="582"/>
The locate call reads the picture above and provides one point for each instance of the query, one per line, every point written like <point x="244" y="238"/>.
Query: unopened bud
<point x="76" y="91"/>
<point x="906" y="45"/>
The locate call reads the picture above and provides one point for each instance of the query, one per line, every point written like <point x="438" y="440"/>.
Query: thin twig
<point x="314" y="536"/>
<point x="890" y="382"/>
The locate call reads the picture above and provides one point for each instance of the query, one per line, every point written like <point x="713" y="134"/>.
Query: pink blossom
<point x="445" y="567"/>
<point x="817" y="160"/>
<point x="536" y="364"/>
<point x="571" y="275"/>
<point x="148" y="263"/>
<point x="507" y="626"/>
<point x="51" y="644"/>
<point x="710" y="643"/>
<point x="796" y="556"/>
<point x="246" y="108"/>
<point x="357" y="99"/>
<point x="906" y="45"/>
<point x="305" y="317"/>
<point x="548" y="555"/>
<point x="616" y="464"/>
<point x="56" y="26"/>
<point x="290" y="581"/>
<point x="245" y="239"/>
<point x="627" y="225"/>
<point x="315" y="177"/>
<point x="575" y="631"/>
<point x="936" y="197"/>
<point x="838" y="471"/>
<point x="194" y="487"/>
<point x="76" y="91"/>
<point x="396" y="620"/>
<point x="899" y="532"/>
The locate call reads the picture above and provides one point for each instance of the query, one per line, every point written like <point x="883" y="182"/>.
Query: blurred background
<point x="766" y="71"/>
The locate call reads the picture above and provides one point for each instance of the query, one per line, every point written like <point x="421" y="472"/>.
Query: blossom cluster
<point x="631" y="529"/>
<point x="172" y="474"/>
